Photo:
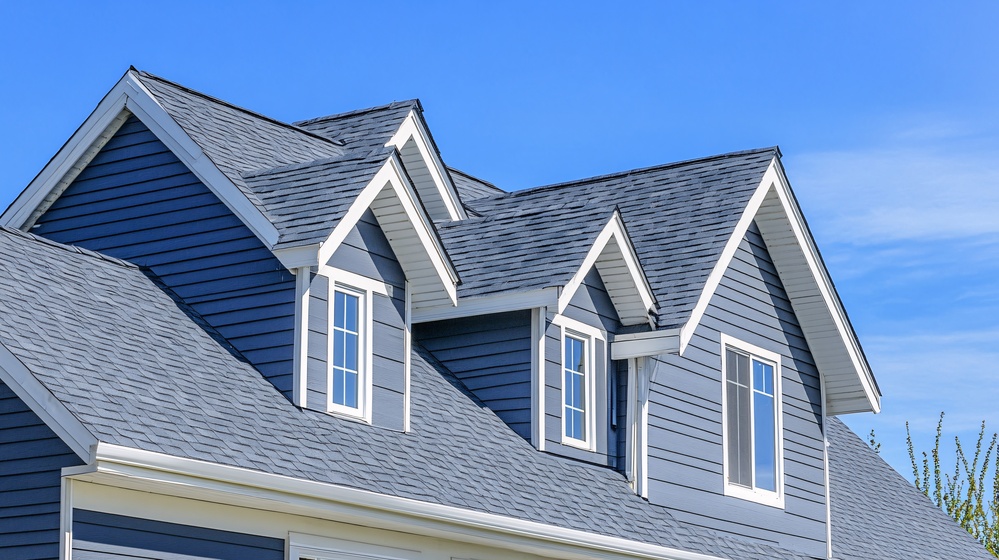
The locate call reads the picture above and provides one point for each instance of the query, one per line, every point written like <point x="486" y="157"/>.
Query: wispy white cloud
<point x="920" y="183"/>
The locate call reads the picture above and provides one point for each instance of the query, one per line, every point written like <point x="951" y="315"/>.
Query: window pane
<point x="763" y="377"/>
<point x="350" y="312"/>
<point x="338" y="348"/>
<point x="579" y="420"/>
<point x="743" y="374"/>
<point x="338" y="385"/>
<point x="578" y="391"/>
<point x="350" y="351"/>
<point x="338" y="308"/>
<point x="567" y="388"/>
<point x="350" y="389"/>
<point x="766" y="445"/>
<point x="739" y="435"/>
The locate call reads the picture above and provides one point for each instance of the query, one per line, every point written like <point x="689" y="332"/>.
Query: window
<point x="346" y="333"/>
<point x="752" y="409"/>
<point x="574" y="391"/>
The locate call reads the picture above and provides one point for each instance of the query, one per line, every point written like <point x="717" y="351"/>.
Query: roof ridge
<point x="255" y="114"/>
<point x="596" y="178"/>
<point x="347" y="157"/>
<point x="66" y="247"/>
<point x="414" y="101"/>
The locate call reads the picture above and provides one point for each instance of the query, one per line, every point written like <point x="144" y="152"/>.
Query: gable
<point x="138" y="202"/>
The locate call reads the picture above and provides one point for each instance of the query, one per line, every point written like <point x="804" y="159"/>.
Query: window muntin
<point x="752" y="406"/>
<point x="346" y="332"/>
<point x="574" y="388"/>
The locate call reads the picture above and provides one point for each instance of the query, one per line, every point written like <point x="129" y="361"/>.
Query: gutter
<point x="112" y="464"/>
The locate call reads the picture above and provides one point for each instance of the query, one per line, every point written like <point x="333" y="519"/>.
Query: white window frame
<point x="758" y="495"/>
<point x="363" y="288"/>
<point x="314" y="547"/>
<point x="589" y="335"/>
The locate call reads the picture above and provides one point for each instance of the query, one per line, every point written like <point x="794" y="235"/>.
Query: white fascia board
<point x="613" y="230"/>
<point x="652" y="343"/>
<point x="129" y="94"/>
<point x="269" y="491"/>
<point x="485" y="305"/>
<point x="43" y="403"/>
<point x="775" y="180"/>
<point x="390" y="175"/>
<point x="413" y="127"/>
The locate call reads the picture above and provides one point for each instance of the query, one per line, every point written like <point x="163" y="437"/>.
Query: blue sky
<point x="886" y="114"/>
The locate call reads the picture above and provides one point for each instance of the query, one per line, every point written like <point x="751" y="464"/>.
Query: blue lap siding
<point x="685" y="421"/>
<point x="138" y="202"/>
<point x="99" y="535"/>
<point x="491" y="355"/>
<point x="31" y="460"/>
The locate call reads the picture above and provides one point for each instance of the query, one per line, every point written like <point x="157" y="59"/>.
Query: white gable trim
<point x="42" y="402"/>
<point x="774" y="198"/>
<point x="485" y="305"/>
<point x="166" y="474"/>
<point x="130" y="95"/>
<point x="391" y="177"/>
<point x="635" y="282"/>
<point x="414" y="128"/>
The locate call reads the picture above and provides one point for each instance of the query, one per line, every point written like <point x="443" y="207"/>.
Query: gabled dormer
<point x="532" y="329"/>
<point x="258" y="226"/>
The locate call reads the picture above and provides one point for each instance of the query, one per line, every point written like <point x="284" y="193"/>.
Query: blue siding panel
<point x="491" y="355"/>
<point x="109" y="536"/>
<point x="138" y="202"/>
<point x="31" y="460"/>
<point x="685" y="422"/>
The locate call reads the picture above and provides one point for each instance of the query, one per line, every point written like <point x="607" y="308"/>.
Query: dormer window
<point x="751" y="405"/>
<point x="578" y="382"/>
<point x="347" y="363"/>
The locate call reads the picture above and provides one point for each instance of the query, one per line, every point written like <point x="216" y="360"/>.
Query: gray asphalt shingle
<point x="164" y="384"/>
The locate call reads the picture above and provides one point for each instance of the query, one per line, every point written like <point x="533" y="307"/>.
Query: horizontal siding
<point x="99" y="535"/>
<point x="592" y="306"/>
<point x="365" y="251"/>
<point x="31" y="460"/>
<point x="491" y="355"/>
<point x="138" y="202"/>
<point x="685" y="422"/>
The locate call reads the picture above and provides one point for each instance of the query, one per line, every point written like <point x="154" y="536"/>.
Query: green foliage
<point x="963" y="495"/>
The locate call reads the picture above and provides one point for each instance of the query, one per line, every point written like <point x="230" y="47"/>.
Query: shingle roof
<point x="134" y="366"/>
<point x="878" y="514"/>
<point x="472" y="188"/>
<point x="679" y="217"/>
<point x="297" y="178"/>
<point x="366" y="128"/>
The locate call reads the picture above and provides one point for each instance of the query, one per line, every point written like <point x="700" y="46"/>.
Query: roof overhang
<point x="615" y="259"/>
<point x="130" y="96"/>
<point x="430" y="176"/>
<point x="392" y="199"/>
<point x="158" y="473"/>
<point x="849" y="383"/>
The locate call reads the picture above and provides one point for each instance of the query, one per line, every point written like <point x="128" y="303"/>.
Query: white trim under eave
<point x="774" y="180"/>
<point x="390" y="175"/>
<point x="613" y="230"/>
<point x="413" y="127"/>
<point x="43" y="403"/>
<point x="131" y="95"/>
<point x="270" y="491"/>
<point x="485" y="305"/>
<point x="651" y="343"/>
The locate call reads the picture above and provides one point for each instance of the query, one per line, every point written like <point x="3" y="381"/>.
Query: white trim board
<point x="823" y="320"/>
<point x="131" y="95"/>
<point x="177" y="476"/>
<point x="413" y="128"/>
<point x="485" y="305"/>
<point x="613" y="245"/>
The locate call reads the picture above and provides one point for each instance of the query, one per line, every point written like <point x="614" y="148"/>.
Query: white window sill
<point x="763" y="497"/>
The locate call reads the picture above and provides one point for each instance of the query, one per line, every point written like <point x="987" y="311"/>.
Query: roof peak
<point x="213" y="99"/>
<point x="415" y="102"/>
<point x="14" y="232"/>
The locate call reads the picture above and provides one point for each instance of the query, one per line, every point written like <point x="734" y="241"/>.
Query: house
<point x="224" y="336"/>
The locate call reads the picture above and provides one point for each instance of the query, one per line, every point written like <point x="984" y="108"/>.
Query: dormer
<point x="539" y="354"/>
<point x="266" y="236"/>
